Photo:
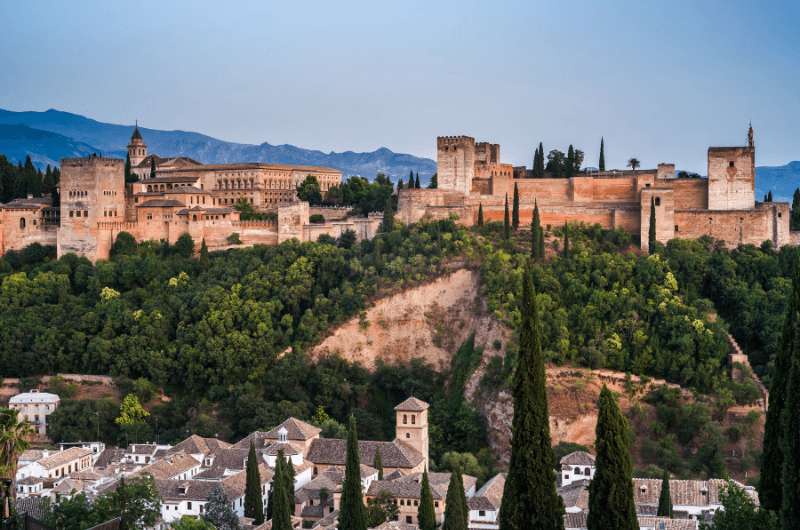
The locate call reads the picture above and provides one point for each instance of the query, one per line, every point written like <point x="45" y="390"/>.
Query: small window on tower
<point x="731" y="164"/>
<point x="658" y="201"/>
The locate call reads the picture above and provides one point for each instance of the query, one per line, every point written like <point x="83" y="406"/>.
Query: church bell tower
<point x="411" y="425"/>
<point x="137" y="149"/>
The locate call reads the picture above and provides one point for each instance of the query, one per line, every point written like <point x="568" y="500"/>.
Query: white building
<point x="58" y="464"/>
<point x="484" y="506"/>
<point x="34" y="407"/>
<point x="576" y="466"/>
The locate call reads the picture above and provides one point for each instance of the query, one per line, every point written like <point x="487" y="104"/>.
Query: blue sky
<point x="660" y="80"/>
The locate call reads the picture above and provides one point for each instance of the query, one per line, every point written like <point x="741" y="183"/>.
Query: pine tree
<point x="515" y="209"/>
<point x="566" y="240"/>
<point x="456" y="513"/>
<point x="651" y="234"/>
<point x="416" y="182"/>
<point x="378" y="463"/>
<point x="480" y="214"/>
<point x="570" y="162"/>
<point x="279" y="507"/>
<point x="387" y="225"/>
<point x="411" y="179"/>
<point x="611" y="503"/>
<point x="253" y="502"/>
<point x="129" y="175"/>
<point x="665" y="499"/>
<point x="770" y="487"/>
<point x="218" y="511"/>
<point x="602" y="163"/>
<point x="352" y="515"/>
<point x="790" y="510"/>
<point x="49" y="182"/>
<point x="506" y="223"/>
<point x="530" y="499"/>
<point x="425" y="513"/>
<point x="434" y="183"/>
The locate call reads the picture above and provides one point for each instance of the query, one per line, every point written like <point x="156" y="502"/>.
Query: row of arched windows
<point x="75" y="194"/>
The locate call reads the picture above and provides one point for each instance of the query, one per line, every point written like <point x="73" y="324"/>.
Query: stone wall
<point x="455" y="162"/>
<point x="731" y="178"/>
<point x="20" y="227"/>
<point x="291" y="220"/>
<point x="767" y="221"/>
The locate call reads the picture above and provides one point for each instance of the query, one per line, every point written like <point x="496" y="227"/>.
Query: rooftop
<point x="412" y="404"/>
<point x="34" y="396"/>
<point x="577" y="458"/>
<point x="295" y="430"/>
<point x="63" y="457"/>
<point x="333" y="451"/>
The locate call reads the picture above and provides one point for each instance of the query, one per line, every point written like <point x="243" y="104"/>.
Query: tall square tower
<point x="412" y="425"/>
<point x="455" y="162"/>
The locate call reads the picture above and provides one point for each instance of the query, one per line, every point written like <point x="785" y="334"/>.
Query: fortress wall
<point x="14" y="237"/>
<point x="768" y="221"/>
<point x="614" y="189"/>
<point x="542" y="190"/>
<point x="690" y="193"/>
<point x="731" y="178"/>
<point x="664" y="201"/>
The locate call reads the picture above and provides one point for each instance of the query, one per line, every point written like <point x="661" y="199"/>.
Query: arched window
<point x="587" y="471"/>
<point x="405" y="417"/>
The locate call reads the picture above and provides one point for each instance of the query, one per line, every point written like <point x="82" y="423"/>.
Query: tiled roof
<point x="491" y="493"/>
<point x="109" y="456"/>
<point x="199" y="490"/>
<point x="141" y="449"/>
<point x="684" y="492"/>
<point x="575" y="521"/>
<point x="33" y="506"/>
<point x="31" y="455"/>
<point x="665" y="523"/>
<point x="34" y="397"/>
<point x="170" y="466"/>
<point x="412" y="404"/>
<point x="161" y="203"/>
<point x="254" y="165"/>
<point x="480" y="503"/>
<point x="576" y="495"/>
<point x="409" y="486"/>
<point x="295" y="430"/>
<point x="195" y="444"/>
<point x="63" y="457"/>
<point x="333" y="451"/>
<point x="168" y="179"/>
<point x="287" y="448"/>
<point x="577" y="458"/>
<point x="395" y="525"/>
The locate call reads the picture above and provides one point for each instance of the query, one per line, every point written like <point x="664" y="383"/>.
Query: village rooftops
<point x="244" y="166"/>
<point x="412" y="404"/>
<point x="410" y="486"/>
<point x="697" y="493"/>
<point x="333" y="451"/>
<point x="577" y="458"/>
<point x="30" y="203"/>
<point x="195" y="444"/>
<point x="295" y="430"/>
<point x="60" y="458"/>
<point x="171" y="466"/>
<point x="199" y="490"/>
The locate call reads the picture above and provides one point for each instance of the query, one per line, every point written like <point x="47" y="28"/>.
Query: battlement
<point x="443" y="141"/>
<point x="90" y="161"/>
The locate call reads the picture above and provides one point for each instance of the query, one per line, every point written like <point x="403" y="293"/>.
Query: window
<point x="731" y="164"/>
<point x="408" y="435"/>
<point x="413" y="419"/>
<point x="405" y="418"/>
<point x="408" y="519"/>
<point x="676" y="228"/>
<point x="482" y="513"/>
<point x="658" y="201"/>
<point x="22" y="223"/>
<point x="587" y="471"/>
<point x="188" y="505"/>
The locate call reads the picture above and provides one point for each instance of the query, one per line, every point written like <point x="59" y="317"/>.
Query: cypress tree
<point x="203" y="252"/>
<point x="425" y="513"/>
<point x="506" y="223"/>
<point x="530" y="499"/>
<point x="602" y="163"/>
<point x="153" y="167"/>
<point x="570" y="162"/>
<point x="795" y="216"/>
<point x="456" y="514"/>
<point x="128" y="173"/>
<point x="387" y="225"/>
<point x="515" y="209"/>
<point x="539" y="171"/>
<point x="400" y="184"/>
<point x="253" y="504"/>
<point x="480" y="214"/>
<point x="770" y="488"/>
<point x="611" y="502"/>
<point x="769" y="196"/>
<point x="351" y="508"/>
<point x="281" y="510"/>
<point x="416" y="182"/>
<point x="434" y="183"/>
<point x="410" y="179"/>
<point x="536" y="232"/>
<point x="790" y="511"/>
<point x="651" y="234"/>
<point x="378" y="463"/>
<point x="665" y="499"/>
<point x="566" y="240"/>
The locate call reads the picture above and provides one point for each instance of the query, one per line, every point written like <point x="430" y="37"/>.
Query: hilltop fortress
<point x="723" y="205"/>
<point x="173" y="196"/>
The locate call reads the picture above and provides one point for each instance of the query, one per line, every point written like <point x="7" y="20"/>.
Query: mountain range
<point x="51" y="135"/>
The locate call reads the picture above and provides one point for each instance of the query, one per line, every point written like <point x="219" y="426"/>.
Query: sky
<point x="660" y="81"/>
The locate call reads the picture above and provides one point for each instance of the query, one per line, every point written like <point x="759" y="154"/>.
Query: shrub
<point x="317" y="218"/>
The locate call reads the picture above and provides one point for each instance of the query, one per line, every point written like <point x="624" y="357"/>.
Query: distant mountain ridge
<point x="45" y="147"/>
<point x="79" y="132"/>
<point x="781" y="180"/>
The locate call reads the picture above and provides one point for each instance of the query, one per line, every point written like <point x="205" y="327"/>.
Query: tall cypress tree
<point x="425" y="513"/>
<point x="387" y="225"/>
<point x="253" y="503"/>
<point x="570" y="164"/>
<point x="280" y="509"/>
<point x="790" y="511"/>
<point x="566" y="240"/>
<point x="416" y="182"/>
<point x="665" y="499"/>
<point x="539" y="171"/>
<point x="506" y="223"/>
<point x="378" y="463"/>
<point x="352" y="515"/>
<point x="795" y="216"/>
<point x="611" y="502"/>
<point x="129" y="177"/>
<point x="153" y="167"/>
<point x="601" y="165"/>
<point x="530" y="499"/>
<point x="400" y="184"/>
<point x="651" y="233"/>
<point x="536" y="232"/>
<point x="770" y="488"/>
<point x="456" y="513"/>
<point x="480" y="214"/>
<point x="515" y="209"/>
<point x="434" y="183"/>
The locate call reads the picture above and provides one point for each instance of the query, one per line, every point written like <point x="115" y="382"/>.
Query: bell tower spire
<point x="137" y="149"/>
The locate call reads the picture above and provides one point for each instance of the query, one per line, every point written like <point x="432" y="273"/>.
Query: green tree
<point x="203" y="252"/>
<point x="184" y="246"/>
<point x="309" y="190"/>
<point x="135" y="501"/>
<point x="537" y="236"/>
<point x="218" y="511"/>
<point x="281" y="510"/>
<point x="351" y="508"/>
<point x="387" y="225"/>
<point x="566" y="240"/>
<point x="190" y="523"/>
<point x="570" y="165"/>
<point x="71" y="513"/>
<point x="770" y="486"/>
<point x="530" y="481"/>
<point x="131" y="415"/>
<point x="664" y="498"/>
<point x="380" y="509"/>
<point x="456" y="513"/>
<point x="480" y="214"/>
<point x="130" y="176"/>
<point x="124" y="244"/>
<point x="611" y="503"/>
<point x="400" y="184"/>
<point x="425" y="512"/>
<point x="795" y="216"/>
<point x="13" y="441"/>
<point x="152" y="166"/>
<point x="506" y="223"/>
<point x="378" y="463"/>
<point x="601" y="165"/>
<point x="790" y="509"/>
<point x="253" y="502"/>
<point x="515" y="209"/>
<point x="651" y="233"/>
<point x="739" y="512"/>
<point x="434" y="183"/>
<point x="416" y="181"/>
<point x="634" y="163"/>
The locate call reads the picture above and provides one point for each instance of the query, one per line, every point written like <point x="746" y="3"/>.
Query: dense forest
<point x="24" y="179"/>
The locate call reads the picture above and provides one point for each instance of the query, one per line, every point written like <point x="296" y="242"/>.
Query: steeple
<point x="137" y="149"/>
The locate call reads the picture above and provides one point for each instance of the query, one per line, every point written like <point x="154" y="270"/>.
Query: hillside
<point x="112" y="139"/>
<point x="781" y="180"/>
<point x="18" y="141"/>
